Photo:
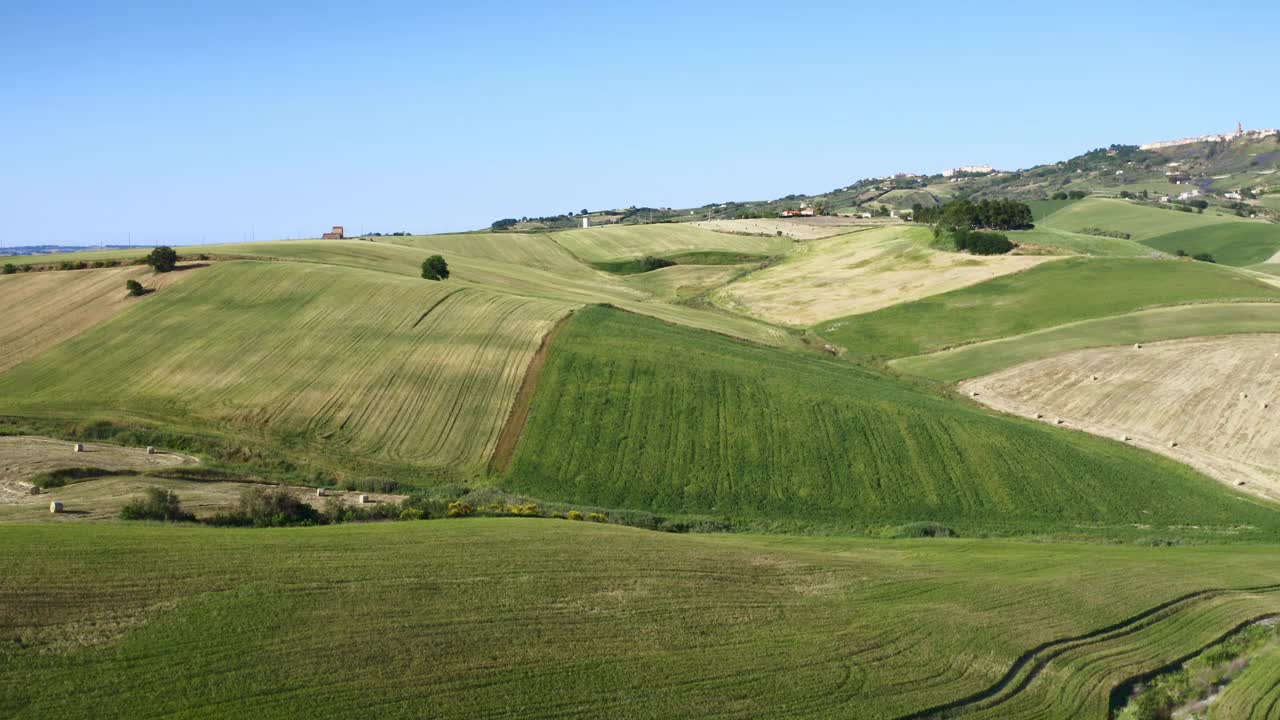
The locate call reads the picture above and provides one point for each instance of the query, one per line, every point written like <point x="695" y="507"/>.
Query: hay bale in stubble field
<point x="78" y="447"/>
<point x="55" y="507"/>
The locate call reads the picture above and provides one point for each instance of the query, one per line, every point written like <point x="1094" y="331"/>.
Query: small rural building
<point x="1232" y="196"/>
<point x="586" y="222"/>
<point x="335" y="234"/>
<point x="802" y="212"/>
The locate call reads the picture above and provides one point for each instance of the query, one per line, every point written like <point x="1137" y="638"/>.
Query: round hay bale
<point x="364" y="499"/>
<point x="1173" y="443"/>
<point x="151" y="450"/>
<point x="1241" y="482"/>
<point x="1244" y="395"/>
<point x="1039" y="415"/>
<point x="55" y="507"/>
<point x="1124" y="438"/>
<point x="973" y="393"/>
<point x="78" y="447"/>
<point x="1059" y="421"/>
<point x="1137" y="346"/>
<point x="1093" y="377"/>
<point x="321" y="492"/>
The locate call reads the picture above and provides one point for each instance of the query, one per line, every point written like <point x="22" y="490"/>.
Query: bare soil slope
<point x="1217" y="398"/>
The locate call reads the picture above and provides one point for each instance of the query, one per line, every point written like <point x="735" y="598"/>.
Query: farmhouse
<point x="975" y="169"/>
<point x="335" y="234"/>
<point x="802" y="212"/>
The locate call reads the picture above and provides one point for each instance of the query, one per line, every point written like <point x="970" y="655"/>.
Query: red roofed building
<point x="335" y="235"/>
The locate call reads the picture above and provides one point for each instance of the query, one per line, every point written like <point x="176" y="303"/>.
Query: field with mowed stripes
<point x="582" y="620"/>
<point x="635" y="413"/>
<point x="340" y="361"/>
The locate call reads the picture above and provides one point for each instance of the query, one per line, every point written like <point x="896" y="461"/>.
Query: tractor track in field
<point x="1030" y="664"/>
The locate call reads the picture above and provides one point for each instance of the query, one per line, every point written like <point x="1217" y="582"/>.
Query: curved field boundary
<point x="1030" y="664"/>
<point x="1152" y="325"/>
<point x="1255" y="694"/>
<point x="505" y="448"/>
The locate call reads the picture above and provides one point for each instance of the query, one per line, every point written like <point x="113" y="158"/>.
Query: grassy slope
<point x="536" y="618"/>
<point x="1142" y="222"/>
<point x="340" y="361"/>
<point x="1255" y="694"/>
<point x="1041" y="209"/>
<point x="523" y="264"/>
<point x="1053" y="294"/>
<point x="631" y="412"/>
<point x="623" y="241"/>
<point x="1171" y="323"/>
<point x="1232" y="243"/>
<point x="1083" y="244"/>
<point x="43" y="309"/>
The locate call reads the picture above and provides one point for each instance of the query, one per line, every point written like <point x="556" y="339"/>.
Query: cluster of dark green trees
<point x="984" y="215"/>
<point x="1071" y="195"/>
<point x="978" y="242"/>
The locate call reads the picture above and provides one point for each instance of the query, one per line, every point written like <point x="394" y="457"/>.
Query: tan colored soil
<point x="23" y="457"/>
<point x="812" y="228"/>
<point x="1217" y="398"/>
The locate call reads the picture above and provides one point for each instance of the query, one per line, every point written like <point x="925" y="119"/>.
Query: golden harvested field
<point x="859" y="273"/>
<point x="616" y="242"/>
<point x="796" y="228"/>
<point x="1217" y="398"/>
<point x="23" y="457"/>
<point x="362" y="363"/>
<point x="102" y="498"/>
<point x="42" y="309"/>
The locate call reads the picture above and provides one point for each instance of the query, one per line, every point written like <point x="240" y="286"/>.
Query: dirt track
<point x="1218" y="399"/>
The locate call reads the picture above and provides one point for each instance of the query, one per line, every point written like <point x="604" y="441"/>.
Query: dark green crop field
<point x="1230" y="243"/>
<point x="555" y="619"/>
<point x="1051" y="294"/>
<point x="632" y="412"/>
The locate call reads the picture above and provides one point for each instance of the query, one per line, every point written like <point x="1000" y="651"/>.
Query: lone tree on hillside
<point x="163" y="259"/>
<point x="135" y="288"/>
<point x="435" y="268"/>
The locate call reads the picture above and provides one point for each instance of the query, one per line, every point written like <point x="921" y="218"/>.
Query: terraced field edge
<point x="513" y="428"/>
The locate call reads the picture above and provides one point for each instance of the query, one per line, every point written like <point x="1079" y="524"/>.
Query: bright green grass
<point x="1171" y="323"/>
<point x="1142" y="222"/>
<point x="1232" y="243"/>
<point x="542" y="619"/>
<point x="338" y="363"/>
<point x="1082" y="243"/>
<point x="634" y="413"/>
<point x="1040" y="209"/>
<point x="1255" y="694"/>
<point x="1052" y="294"/>
<point x="623" y="241"/>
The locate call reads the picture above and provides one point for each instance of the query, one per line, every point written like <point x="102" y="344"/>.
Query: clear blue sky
<point x="179" y="124"/>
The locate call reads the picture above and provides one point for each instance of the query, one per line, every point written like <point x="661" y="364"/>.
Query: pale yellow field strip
<point x="1213" y="403"/>
<point x="42" y="309"/>
<point x="860" y="273"/>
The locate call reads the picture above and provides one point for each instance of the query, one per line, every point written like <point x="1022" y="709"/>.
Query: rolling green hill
<point x="1142" y="222"/>
<point x="1231" y="243"/>
<point x="1052" y="294"/>
<point x="540" y="618"/>
<point x="634" y="413"/>
<point x="338" y="363"/>
<point x="1183" y="321"/>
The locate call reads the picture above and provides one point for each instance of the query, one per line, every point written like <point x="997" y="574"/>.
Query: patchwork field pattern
<point x="635" y="413"/>
<point x="1142" y="222"/>
<point x="43" y="309"/>
<point x="362" y="364"/>
<point x="1143" y="326"/>
<point x="1216" y="398"/>
<point x="623" y="241"/>
<point x="1233" y="243"/>
<point x="1064" y="291"/>
<point x="859" y="273"/>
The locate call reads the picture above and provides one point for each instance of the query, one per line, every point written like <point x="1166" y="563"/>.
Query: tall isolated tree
<point x="163" y="259"/>
<point x="435" y="268"/>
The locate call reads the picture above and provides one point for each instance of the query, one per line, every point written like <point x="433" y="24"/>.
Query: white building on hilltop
<point x="975" y="169"/>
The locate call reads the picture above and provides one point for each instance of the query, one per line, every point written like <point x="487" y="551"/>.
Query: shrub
<point x="1203" y="257"/>
<point x="650" y="263"/>
<point x="919" y="530"/>
<point x="10" y="268"/>
<point x="410" y="513"/>
<point x="981" y="243"/>
<point x="458" y="508"/>
<point x="575" y="515"/>
<point x="597" y="517"/>
<point x="135" y="288"/>
<point x="269" y="507"/>
<point x="163" y="259"/>
<point x="525" y="510"/>
<point x="435" y="268"/>
<point x="66" y="476"/>
<point x="156" y="504"/>
<point x="503" y="224"/>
